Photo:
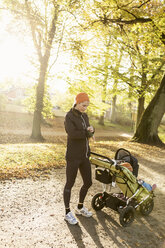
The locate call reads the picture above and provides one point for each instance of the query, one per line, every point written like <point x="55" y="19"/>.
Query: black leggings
<point x="72" y="167"/>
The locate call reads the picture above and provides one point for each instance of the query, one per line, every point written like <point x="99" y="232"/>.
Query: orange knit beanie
<point x="82" y="97"/>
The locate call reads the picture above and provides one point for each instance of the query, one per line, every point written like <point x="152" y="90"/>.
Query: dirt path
<point x="32" y="215"/>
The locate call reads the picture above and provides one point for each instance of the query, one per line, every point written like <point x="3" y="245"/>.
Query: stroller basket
<point x="103" y="176"/>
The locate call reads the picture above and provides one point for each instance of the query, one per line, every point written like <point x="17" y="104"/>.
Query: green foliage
<point x="30" y="102"/>
<point x="139" y="72"/>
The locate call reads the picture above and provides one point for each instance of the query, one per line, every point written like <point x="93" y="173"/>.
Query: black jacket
<point x="76" y="124"/>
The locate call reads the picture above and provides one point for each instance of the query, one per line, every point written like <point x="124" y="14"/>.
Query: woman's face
<point x="82" y="106"/>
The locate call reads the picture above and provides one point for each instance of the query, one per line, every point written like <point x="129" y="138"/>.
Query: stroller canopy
<point x="125" y="155"/>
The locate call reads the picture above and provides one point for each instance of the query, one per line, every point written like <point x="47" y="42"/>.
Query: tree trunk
<point x="141" y="98"/>
<point x="104" y="92"/>
<point x="147" y="130"/>
<point x="101" y="120"/>
<point x="140" y="109"/>
<point x="37" y="118"/>
<point x="113" y="116"/>
<point x="114" y="90"/>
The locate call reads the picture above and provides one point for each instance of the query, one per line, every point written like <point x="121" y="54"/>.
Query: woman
<point x="78" y="132"/>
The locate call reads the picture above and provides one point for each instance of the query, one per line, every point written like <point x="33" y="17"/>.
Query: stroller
<point x="133" y="194"/>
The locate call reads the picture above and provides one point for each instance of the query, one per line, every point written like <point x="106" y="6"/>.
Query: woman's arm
<point x="72" y="131"/>
<point x="90" y="129"/>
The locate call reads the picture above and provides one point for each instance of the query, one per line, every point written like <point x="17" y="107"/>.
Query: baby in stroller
<point x="123" y="170"/>
<point x="148" y="186"/>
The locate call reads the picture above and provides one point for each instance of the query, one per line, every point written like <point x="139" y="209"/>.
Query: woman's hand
<point x="90" y="129"/>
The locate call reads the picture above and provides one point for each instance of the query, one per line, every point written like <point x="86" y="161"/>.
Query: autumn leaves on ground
<point x="22" y="158"/>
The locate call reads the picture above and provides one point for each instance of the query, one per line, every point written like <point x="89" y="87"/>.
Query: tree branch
<point x="141" y="4"/>
<point x="162" y="34"/>
<point x="51" y="34"/>
<point x="157" y="71"/>
<point x="33" y="30"/>
<point x="133" y="21"/>
<point x="129" y="13"/>
<point x="58" y="50"/>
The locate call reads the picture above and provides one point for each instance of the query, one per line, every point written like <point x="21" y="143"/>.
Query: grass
<point x="124" y="128"/>
<point x="30" y="160"/>
<point x="110" y="126"/>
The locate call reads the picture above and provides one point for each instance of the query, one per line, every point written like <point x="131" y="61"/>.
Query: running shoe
<point x="69" y="217"/>
<point x="83" y="211"/>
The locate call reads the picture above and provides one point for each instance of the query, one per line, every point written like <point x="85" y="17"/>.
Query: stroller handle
<point x="96" y="154"/>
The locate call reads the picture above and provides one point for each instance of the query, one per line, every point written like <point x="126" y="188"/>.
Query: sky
<point x="13" y="61"/>
<point x="15" y="56"/>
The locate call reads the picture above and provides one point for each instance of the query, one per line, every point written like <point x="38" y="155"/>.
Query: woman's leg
<point x="71" y="173"/>
<point x="85" y="171"/>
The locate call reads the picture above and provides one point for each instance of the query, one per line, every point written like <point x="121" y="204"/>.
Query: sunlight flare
<point x="13" y="58"/>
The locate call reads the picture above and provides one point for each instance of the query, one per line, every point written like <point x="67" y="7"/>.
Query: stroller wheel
<point x="146" y="208"/>
<point x="127" y="216"/>
<point x="97" y="202"/>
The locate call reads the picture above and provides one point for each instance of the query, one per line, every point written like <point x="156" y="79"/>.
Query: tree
<point x="46" y="25"/>
<point x="147" y="64"/>
<point x="42" y="21"/>
<point x="43" y="41"/>
<point x="122" y="14"/>
<point x="115" y="84"/>
<point x="105" y="81"/>
<point x="147" y="131"/>
<point x="43" y="48"/>
<point x="30" y="102"/>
